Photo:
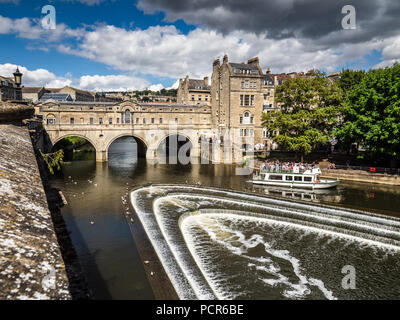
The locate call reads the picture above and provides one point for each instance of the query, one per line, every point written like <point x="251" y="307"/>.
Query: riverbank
<point x="361" y="176"/>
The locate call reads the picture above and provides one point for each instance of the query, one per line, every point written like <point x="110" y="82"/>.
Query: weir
<point x="230" y="245"/>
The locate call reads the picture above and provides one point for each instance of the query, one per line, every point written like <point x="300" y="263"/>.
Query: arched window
<point x="127" y="116"/>
<point x="246" y="118"/>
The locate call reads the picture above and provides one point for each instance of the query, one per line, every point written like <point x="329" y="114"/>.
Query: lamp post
<point x="17" y="77"/>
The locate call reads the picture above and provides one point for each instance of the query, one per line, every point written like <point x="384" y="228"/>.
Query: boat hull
<point x="323" y="184"/>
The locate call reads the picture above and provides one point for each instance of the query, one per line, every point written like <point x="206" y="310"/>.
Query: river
<point x="114" y="270"/>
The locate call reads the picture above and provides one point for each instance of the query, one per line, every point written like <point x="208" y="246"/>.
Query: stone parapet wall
<point x="31" y="265"/>
<point x="362" y="176"/>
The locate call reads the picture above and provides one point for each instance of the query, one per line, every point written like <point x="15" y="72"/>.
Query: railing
<point x="370" y="169"/>
<point x="285" y="169"/>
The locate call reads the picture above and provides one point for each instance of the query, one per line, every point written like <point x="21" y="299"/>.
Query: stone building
<point x="9" y="90"/>
<point x="33" y="94"/>
<point x="194" y="91"/>
<point x="77" y="94"/>
<point x="240" y="92"/>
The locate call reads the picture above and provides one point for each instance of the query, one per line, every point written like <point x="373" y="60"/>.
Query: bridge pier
<point x="101" y="156"/>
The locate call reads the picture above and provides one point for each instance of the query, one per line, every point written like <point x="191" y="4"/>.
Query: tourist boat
<point x="294" y="178"/>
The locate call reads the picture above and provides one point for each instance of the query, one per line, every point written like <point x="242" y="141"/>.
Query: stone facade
<point x="9" y="90"/>
<point x="33" y="94"/>
<point x="240" y="91"/>
<point x="194" y="91"/>
<point x="103" y="123"/>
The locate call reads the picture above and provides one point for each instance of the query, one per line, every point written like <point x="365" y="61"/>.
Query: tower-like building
<point x="239" y="93"/>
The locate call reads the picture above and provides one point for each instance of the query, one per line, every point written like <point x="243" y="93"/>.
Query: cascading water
<point x="219" y="244"/>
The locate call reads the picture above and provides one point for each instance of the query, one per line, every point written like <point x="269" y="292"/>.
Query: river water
<point x="249" y="244"/>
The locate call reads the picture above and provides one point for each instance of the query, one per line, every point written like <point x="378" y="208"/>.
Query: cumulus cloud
<point x="309" y="19"/>
<point x="43" y="77"/>
<point x="167" y="52"/>
<point x="35" y="78"/>
<point x="114" y="83"/>
<point x="31" y="29"/>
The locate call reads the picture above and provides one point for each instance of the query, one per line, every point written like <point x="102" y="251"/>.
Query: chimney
<point x="216" y="63"/>
<point x="225" y="59"/>
<point x="206" y="81"/>
<point x="268" y="71"/>
<point x="253" y="61"/>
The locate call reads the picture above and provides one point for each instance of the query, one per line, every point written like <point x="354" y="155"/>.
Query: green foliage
<point x="53" y="160"/>
<point x="76" y="141"/>
<point x="371" y="112"/>
<point x="308" y="115"/>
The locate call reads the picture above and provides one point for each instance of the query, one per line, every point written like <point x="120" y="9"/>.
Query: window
<point x="199" y="97"/>
<point x="308" y="179"/>
<point x="241" y="100"/>
<point x="204" y="120"/>
<point x="275" y="177"/>
<point x="246" y="100"/>
<point x="252" y="100"/>
<point x="144" y="120"/>
<point x="246" y="118"/>
<point x="71" y="120"/>
<point x="191" y="120"/>
<point x="51" y="121"/>
<point x="289" y="178"/>
<point x="241" y="120"/>
<point x="265" y="96"/>
<point x="206" y="98"/>
<point x="176" y="120"/>
<point x="100" y="120"/>
<point x="298" y="178"/>
<point x="160" y="120"/>
<point x="110" y="120"/>
<point x="127" y="116"/>
<point x="91" y="121"/>
<point x="246" y="83"/>
<point x="251" y="119"/>
<point x="137" y="120"/>
<point x="192" y="97"/>
<point x="152" y="120"/>
<point x="117" y="120"/>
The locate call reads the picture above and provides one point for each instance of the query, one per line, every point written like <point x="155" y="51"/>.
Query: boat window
<point x="308" y="179"/>
<point x="289" y="178"/>
<point x="275" y="177"/>
<point x="298" y="178"/>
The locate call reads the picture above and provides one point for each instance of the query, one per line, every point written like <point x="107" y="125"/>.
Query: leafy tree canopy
<point x="308" y="115"/>
<point x="371" y="112"/>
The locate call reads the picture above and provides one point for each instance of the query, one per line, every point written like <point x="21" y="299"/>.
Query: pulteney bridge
<point x="149" y="123"/>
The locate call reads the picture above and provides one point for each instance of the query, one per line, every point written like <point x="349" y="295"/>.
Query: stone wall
<point x="362" y="176"/>
<point x="31" y="265"/>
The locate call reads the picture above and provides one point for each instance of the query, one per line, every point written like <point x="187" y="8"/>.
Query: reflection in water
<point x="108" y="252"/>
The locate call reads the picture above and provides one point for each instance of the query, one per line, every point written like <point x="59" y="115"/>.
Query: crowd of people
<point x="277" y="166"/>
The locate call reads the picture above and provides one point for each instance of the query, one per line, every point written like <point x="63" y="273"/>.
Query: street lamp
<point x="17" y="77"/>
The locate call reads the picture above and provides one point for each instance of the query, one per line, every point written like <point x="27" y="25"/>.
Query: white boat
<point x="294" y="178"/>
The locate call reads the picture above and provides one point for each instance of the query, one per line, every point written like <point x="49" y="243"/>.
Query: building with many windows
<point x="194" y="91"/>
<point x="239" y="93"/>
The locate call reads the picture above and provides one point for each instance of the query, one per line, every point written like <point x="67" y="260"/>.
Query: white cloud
<point x="31" y="29"/>
<point x="112" y="83"/>
<point x="165" y="51"/>
<point x="156" y="87"/>
<point x="35" y="78"/>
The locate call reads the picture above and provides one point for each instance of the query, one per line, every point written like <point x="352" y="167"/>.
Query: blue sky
<point x="116" y="45"/>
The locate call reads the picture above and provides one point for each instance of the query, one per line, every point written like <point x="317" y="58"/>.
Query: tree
<point x="308" y="115"/>
<point x="371" y="113"/>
